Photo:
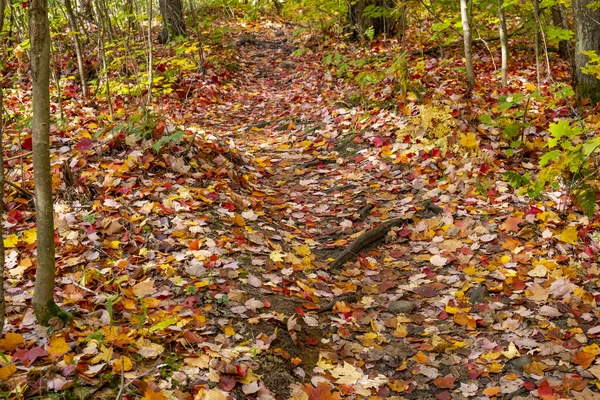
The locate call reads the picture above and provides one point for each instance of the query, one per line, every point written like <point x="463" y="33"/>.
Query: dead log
<point x="370" y="236"/>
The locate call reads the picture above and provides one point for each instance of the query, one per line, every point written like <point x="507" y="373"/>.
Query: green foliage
<point x="326" y="16"/>
<point x="571" y="165"/>
<point x="174" y="137"/>
<point x="593" y="65"/>
<point x="516" y="180"/>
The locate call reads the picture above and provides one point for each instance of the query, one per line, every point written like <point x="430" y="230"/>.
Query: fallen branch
<point x="370" y="236"/>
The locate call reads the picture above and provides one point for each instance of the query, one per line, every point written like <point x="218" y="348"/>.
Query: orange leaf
<point x="321" y="392"/>
<point x="6" y="371"/>
<point x="446" y="382"/>
<point x="239" y="220"/>
<point x="58" y="347"/>
<point x="512" y="224"/>
<point x="11" y="341"/>
<point x="545" y="390"/>
<point x="152" y="395"/>
<point x="463" y="319"/>
<point x="584" y="359"/>
<point x="421" y="358"/>
<point x="398" y="386"/>
<point x="491" y="391"/>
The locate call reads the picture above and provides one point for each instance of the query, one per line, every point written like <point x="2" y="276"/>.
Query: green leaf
<point x="591" y="145"/>
<point x="162" y="325"/>
<point x="550" y="156"/>
<point x="585" y="199"/>
<point x="561" y="130"/>
<point x="511" y="130"/>
<point x="516" y="180"/>
<point x="486" y="119"/>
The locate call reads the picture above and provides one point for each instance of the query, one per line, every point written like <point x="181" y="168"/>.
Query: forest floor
<point x="207" y="269"/>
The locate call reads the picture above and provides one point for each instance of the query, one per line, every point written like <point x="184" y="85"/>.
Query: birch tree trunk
<point x="39" y="33"/>
<point x="503" y="42"/>
<point x="464" y="14"/>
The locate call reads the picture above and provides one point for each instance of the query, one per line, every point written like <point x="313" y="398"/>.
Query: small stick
<point x="19" y="156"/>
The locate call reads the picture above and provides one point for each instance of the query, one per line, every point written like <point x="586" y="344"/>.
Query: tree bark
<point x="359" y="21"/>
<point x="2" y="256"/>
<point x="173" y="23"/>
<point x="2" y="8"/>
<point x="503" y="42"/>
<point x="559" y="19"/>
<point x="587" y="37"/>
<point x="39" y="33"/>
<point x="468" y="44"/>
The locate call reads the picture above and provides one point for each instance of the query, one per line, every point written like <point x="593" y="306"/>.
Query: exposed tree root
<point x="370" y="236"/>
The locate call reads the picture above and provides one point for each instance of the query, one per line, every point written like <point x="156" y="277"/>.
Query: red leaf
<point x="27" y="144"/>
<point x="379" y="142"/>
<point x="545" y="390"/>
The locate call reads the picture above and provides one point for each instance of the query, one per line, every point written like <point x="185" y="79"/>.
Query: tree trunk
<point x="39" y="33"/>
<point x="73" y="27"/>
<point x="2" y="262"/>
<point x="559" y="19"/>
<point x="464" y="15"/>
<point x="173" y="23"/>
<point x="364" y="14"/>
<point x="2" y="8"/>
<point x="503" y="42"/>
<point x="587" y="37"/>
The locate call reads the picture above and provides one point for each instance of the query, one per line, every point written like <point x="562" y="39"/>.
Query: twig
<point x="352" y="297"/>
<point x="19" y="156"/>
<point x="80" y="286"/>
<point x="20" y="189"/>
<point x="122" y="386"/>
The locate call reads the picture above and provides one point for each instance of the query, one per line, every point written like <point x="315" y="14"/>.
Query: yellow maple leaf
<point x="468" y="140"/>
<point x="58" y="347"/>
<point x="11" y="241"/>
<point x="30" y="236"/>
<point x="346" y="374"/>
<point x="239" y="220"/>
<point x="276" y="256"/>
<point x="229" y="331"/>
<point x="569" y="235"/>
<point x="303" y="250"/>
<point x="123" y="363"/>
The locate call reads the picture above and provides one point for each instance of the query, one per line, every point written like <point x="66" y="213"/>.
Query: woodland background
<point x="300" y="199"/>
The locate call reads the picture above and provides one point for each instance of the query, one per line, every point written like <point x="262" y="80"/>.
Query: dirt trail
<point x="438" y="309"/>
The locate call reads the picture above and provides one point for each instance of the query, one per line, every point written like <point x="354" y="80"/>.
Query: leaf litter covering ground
<point x="205" y="274"/>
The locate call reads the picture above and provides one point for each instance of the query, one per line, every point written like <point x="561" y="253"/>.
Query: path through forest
<point x="456" y="302"/>
<point x="214" y="268"/>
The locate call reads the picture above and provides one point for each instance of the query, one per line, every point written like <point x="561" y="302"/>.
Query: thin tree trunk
<point x="73" y="27"/>
<point x="39" y="33"/>
<point x="468" y="43"/>
<point x="559" y="20"/>
<point x="106" y="74"/>
<point x="201" y="67"/>
<point x="2" y="8"/>
<point x="150" y="61"/>
<point x="503" y="42"/>
<point x="2" y="261"/>
<point x="173" y="23"/>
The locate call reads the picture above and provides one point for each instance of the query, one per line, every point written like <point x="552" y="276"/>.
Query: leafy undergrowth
<point x="198" y="265"/>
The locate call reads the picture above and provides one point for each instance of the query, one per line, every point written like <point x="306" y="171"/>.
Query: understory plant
<point x="571" y="166"/>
